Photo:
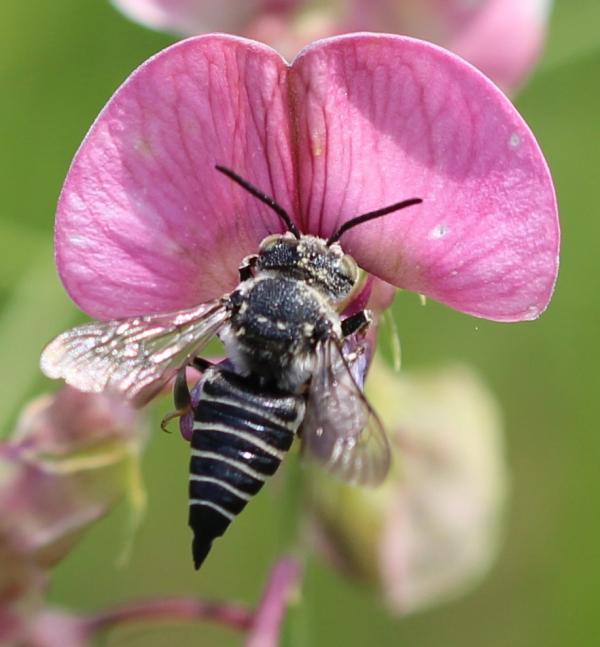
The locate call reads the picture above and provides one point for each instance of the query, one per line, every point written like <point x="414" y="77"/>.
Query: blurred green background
<point x="60" y="61"/>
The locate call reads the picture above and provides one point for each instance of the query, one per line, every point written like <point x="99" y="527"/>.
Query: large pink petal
<point x="384" y="118"/>
<point x="145" y="223"/>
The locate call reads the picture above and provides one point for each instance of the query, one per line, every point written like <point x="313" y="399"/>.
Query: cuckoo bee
<point x="288" y="370"/>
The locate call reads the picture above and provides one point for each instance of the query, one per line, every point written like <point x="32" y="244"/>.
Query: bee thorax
<point x="311" y="260"/>
<point x="276" y="323"/>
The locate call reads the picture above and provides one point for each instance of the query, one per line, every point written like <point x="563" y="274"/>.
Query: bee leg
<point x="181" y="398"/>
<point x="201" y="364"/>
<point x="356" y="323"/>
<point x="247" y="267"/>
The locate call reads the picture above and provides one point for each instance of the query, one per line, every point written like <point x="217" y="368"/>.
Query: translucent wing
<point x="134" y="357"/>
<point x="340" y="429"/>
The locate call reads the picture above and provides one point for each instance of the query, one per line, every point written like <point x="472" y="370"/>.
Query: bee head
<point x="310" y="259"/>
<point x="321" y="263"/>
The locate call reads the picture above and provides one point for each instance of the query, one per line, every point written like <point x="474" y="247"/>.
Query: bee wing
<point x="133" y="357"/>
<point x="340" y="429"/>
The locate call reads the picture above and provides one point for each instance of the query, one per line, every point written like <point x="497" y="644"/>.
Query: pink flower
<point x="72" y="457"/>
<point x="145" y="224"/>
<point x="431" y="530"/>
<point x="501" y="37"/>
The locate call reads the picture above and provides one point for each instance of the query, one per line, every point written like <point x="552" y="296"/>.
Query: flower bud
<point x="432" y="528"/>
<point x="71" y="459"/>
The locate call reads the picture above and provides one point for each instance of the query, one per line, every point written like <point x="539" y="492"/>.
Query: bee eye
<point x="349" y="268"/>
<point x="269" y="242"/>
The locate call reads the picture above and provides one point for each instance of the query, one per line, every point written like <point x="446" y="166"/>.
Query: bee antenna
<point x="263" y="197"/>
<point x="371" y="216"/>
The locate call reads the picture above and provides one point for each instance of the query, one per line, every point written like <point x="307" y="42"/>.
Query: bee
<point x="291" y="370"/>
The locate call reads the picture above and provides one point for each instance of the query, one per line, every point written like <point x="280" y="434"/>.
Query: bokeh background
<point x="59" y="62"/>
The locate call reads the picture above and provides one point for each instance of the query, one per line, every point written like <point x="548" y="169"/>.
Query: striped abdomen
<point x="241" y="433"/>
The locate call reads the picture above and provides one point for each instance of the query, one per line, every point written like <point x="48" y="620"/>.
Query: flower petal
<point x="68" y="463"/>
<point x="190" y="17"/>
<point x="385" y="118"/>
<point x="432" y="529"/>
<point x="145" y="223"/>
<point x="187" y="17"/>
<point x="70" y="421"/>
<point x="443" y="526"/>
<point x="503" y="38"/>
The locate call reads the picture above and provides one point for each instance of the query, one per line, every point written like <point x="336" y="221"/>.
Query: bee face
<point x="310" y="259"/>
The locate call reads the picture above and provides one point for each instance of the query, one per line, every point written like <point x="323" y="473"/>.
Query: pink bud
<point x="69" y="461"/>
<point x="70" y="421"/>
<point x="432" y="529"/>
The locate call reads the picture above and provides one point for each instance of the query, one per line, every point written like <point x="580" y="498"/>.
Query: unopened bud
<point x="72" y="457"/>
<point x="432" y="528"/>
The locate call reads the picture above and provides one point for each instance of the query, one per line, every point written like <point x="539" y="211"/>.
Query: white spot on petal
<point x="439" y="231"/>
<point x="78" y="241"/>
<point x="514" y="140"/>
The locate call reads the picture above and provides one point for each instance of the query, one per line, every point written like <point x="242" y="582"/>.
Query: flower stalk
<point x="51" y="627"/>
<point x="233" y="616"/>
<point x="268" y="618"/>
